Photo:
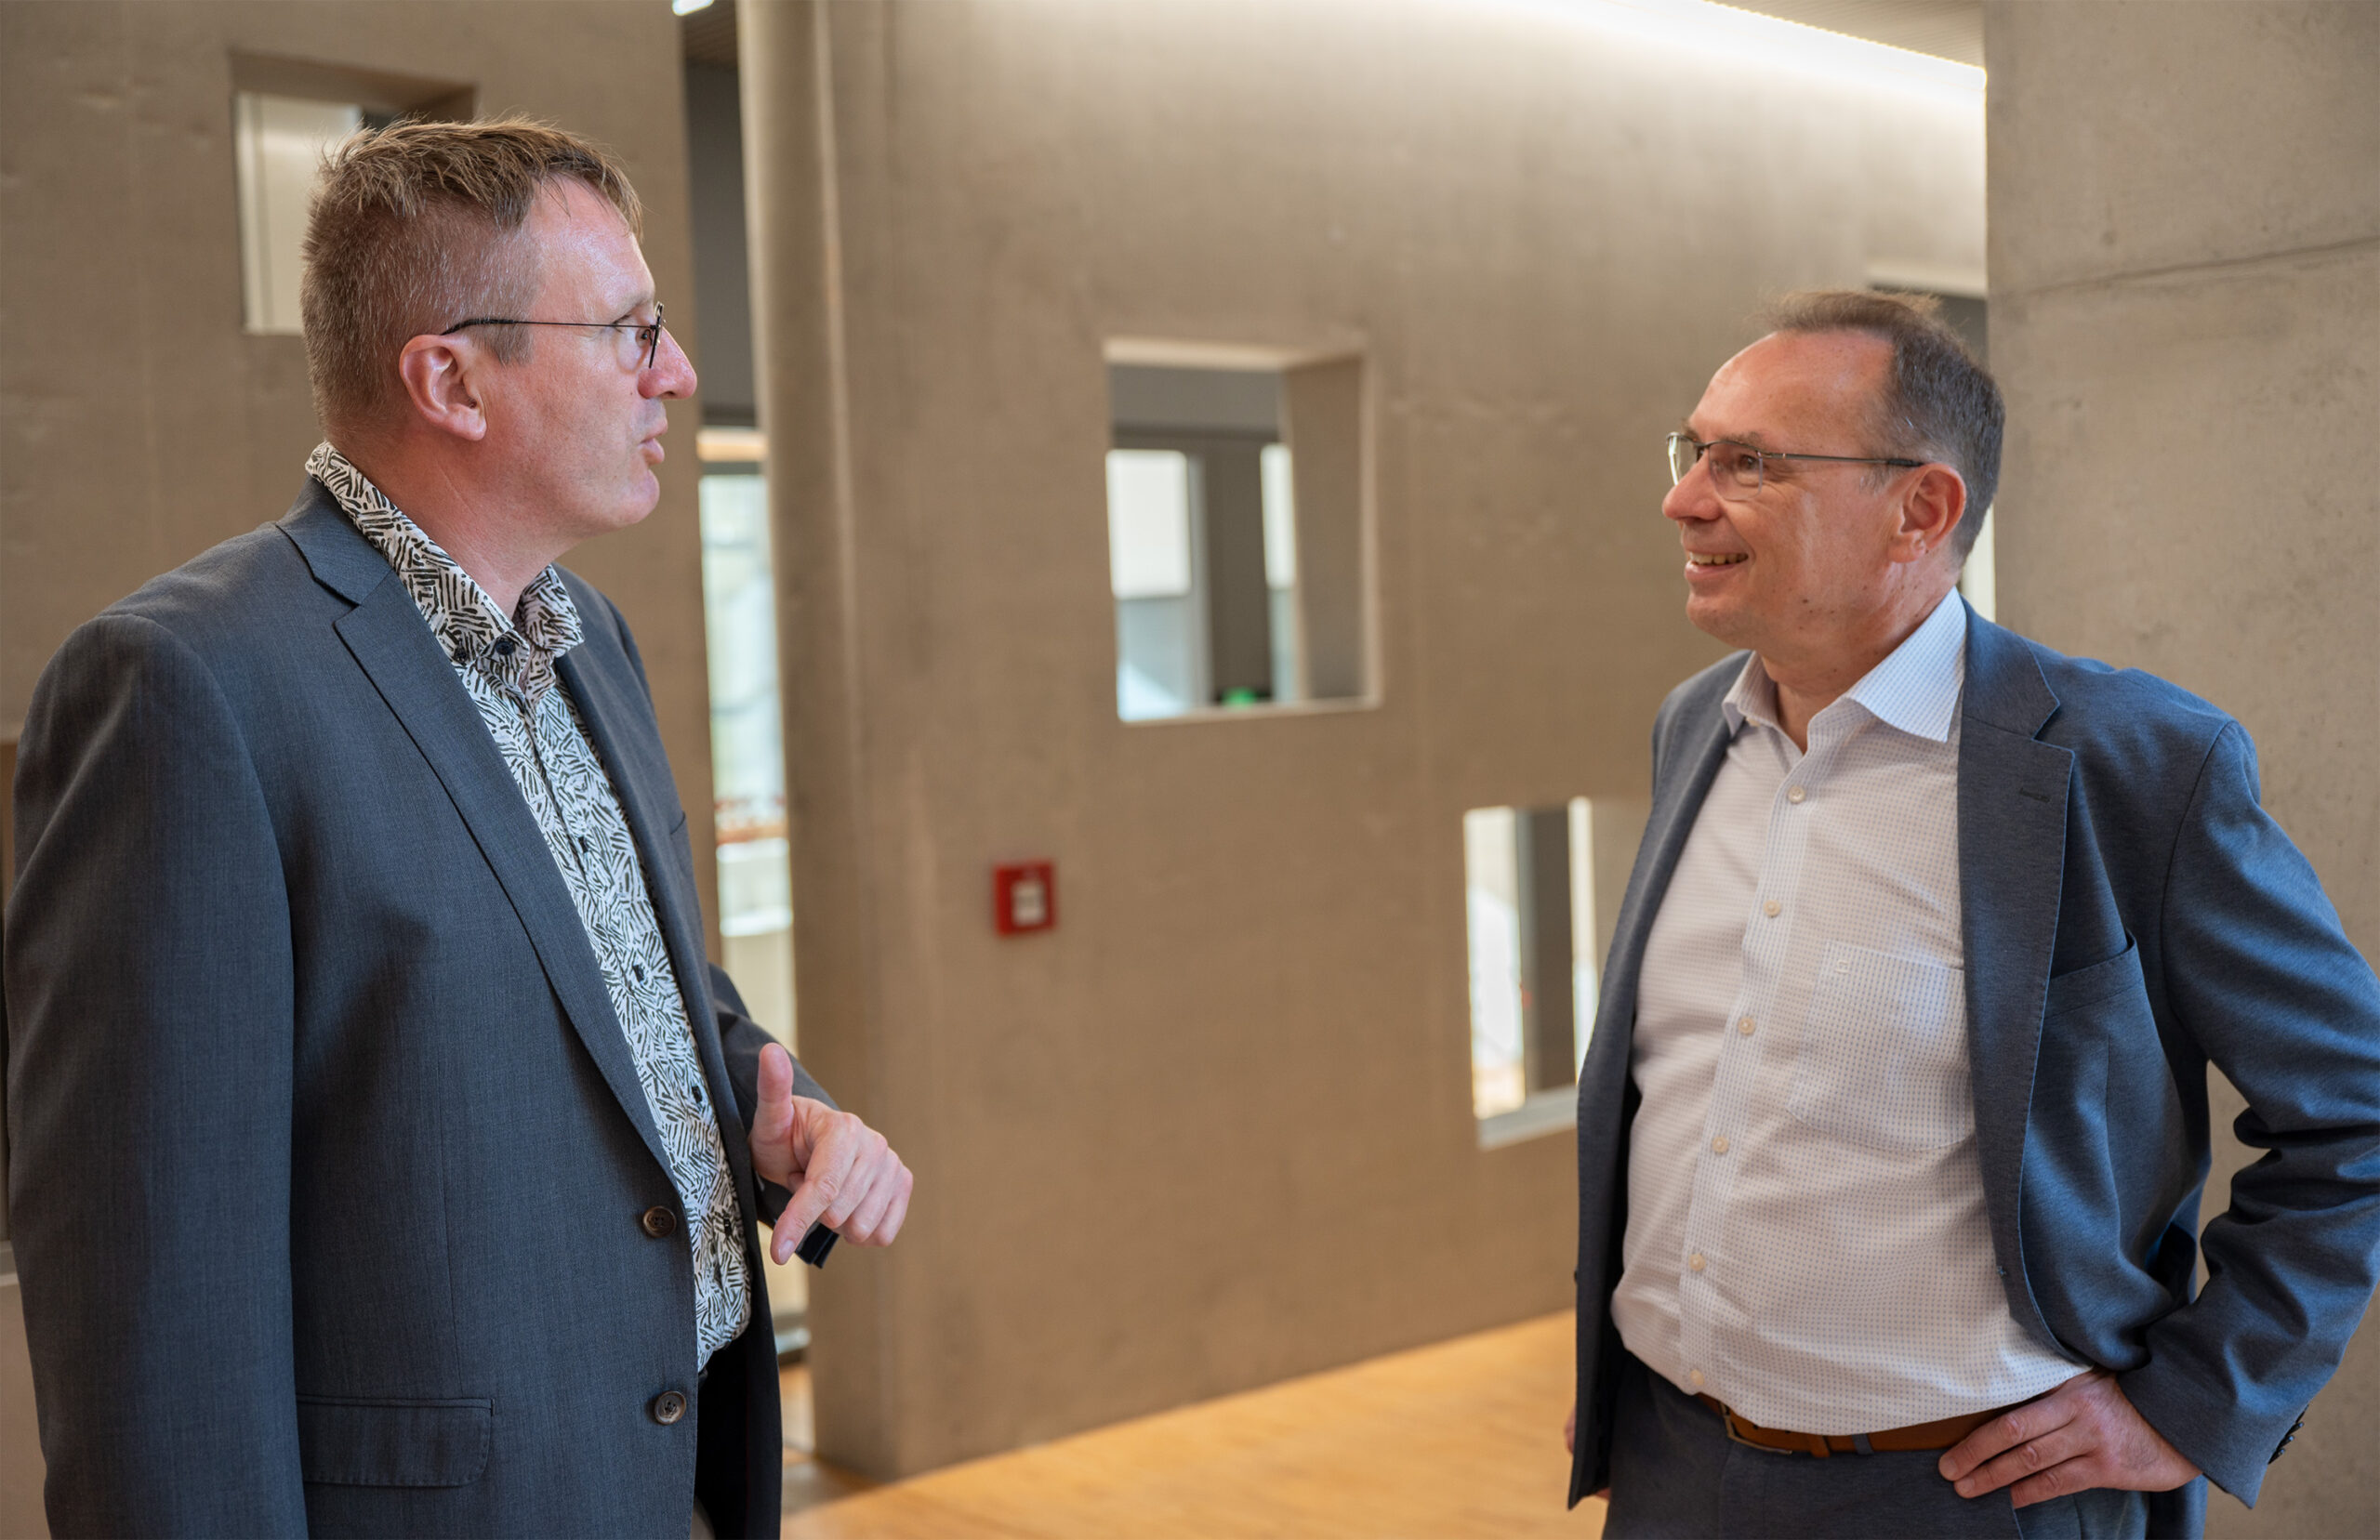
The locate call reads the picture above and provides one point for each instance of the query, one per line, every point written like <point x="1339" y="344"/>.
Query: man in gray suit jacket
<point x="1894" y="1123"/>
<point x="387" y="1156"/>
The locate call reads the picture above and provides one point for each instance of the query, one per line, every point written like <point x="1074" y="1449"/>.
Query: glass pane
<point x="1586" y="931"/>
<point x="278" y="150"/>
<point x="1541" y="889"/>
<point x="1491" y="907"/>
<point x="1280" y="518"/>
<point x="748" y="746"/>
<point x="1148" y="524"/>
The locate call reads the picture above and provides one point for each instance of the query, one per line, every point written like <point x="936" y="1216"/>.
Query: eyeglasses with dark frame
<point x="648" y="332"/>
<point x="1741" y="468"/>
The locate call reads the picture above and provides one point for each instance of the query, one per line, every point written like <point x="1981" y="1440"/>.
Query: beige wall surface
<point x="1216" y="1130"/>
<point x="2186" y="316"/>
<point x="139" y="424"/>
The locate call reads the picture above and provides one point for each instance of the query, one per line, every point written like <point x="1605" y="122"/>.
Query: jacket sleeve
<point x="150" y="1014"/>
<point x="2258" y="970"/>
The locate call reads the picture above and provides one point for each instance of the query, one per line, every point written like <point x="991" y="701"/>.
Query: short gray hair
<point x="1937" y="404"/>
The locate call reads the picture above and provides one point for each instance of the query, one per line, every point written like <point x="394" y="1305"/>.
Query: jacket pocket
<point x="356" y="1443"/>
<point x="2091" y="984"/>
<point x="1883" y="1053"/>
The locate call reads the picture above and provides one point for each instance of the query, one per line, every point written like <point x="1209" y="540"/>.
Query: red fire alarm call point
<point x="1024" y="897"/>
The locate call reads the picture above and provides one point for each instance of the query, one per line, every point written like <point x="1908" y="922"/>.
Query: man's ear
<point x="441" y="390"/>
<point x="1930" y="511"/>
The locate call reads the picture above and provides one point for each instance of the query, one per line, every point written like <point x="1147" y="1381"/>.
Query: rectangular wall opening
<point x="1541" y="889"/>
<point x="285" y="114"/>
<point x="1235" y="555"/>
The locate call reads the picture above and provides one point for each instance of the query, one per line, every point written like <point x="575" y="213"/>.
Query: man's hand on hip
<point x="841" y="1171"/>
<point x="2083" y="1434"/>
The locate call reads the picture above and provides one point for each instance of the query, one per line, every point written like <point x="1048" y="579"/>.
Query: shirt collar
<point x="516" y="650"/>
<point x="1915" y="689"/>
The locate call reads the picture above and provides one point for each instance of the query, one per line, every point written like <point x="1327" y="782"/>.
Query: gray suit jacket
<point x="2131" y="916"/>
<point x="329" y="1156"/>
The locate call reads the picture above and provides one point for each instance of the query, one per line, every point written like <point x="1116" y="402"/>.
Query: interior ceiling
<point x="1946" y="29"/>
<point x="709" y="33"/>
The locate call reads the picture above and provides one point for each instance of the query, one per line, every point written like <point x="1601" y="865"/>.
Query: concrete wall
<point x="2186" y="316"/>
<point x="1216" y="1130"/>
<point x="142" y="425"/>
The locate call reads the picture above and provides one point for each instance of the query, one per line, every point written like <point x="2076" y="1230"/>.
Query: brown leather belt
<point x="1892" y="1440"/>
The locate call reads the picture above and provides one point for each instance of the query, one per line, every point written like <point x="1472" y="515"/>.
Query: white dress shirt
<point x="1807" y="1238"/>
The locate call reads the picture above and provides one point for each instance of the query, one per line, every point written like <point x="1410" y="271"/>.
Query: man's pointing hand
<point x="840" y="1170"/>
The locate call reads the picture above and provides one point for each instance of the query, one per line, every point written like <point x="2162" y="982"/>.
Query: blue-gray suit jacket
<point x="2131" y="916"/>
<point x="329" y="1155"/>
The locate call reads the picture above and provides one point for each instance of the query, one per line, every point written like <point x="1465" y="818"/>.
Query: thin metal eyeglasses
<point x="1740" y="468"/>
<point x="647" y="332"/>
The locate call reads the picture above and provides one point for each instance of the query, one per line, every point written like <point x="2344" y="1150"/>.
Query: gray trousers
<point x="1674" y="1471"/>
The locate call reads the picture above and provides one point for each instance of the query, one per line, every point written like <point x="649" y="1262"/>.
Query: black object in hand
<point x="815" y="1244"/>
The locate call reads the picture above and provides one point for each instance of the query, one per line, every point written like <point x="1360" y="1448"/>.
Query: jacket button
<point x="658" y="1221"/>
<point x="667" y="1407"/>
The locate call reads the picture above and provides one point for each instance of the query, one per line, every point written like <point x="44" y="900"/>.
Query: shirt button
<point x="1694" y="1377"/>
<point x="658" y="1221"/>
<point x="637" y="968"/>
<point x="1744" y="1027"/>
<point x="1772" y="909"/>
<point x="1695" y="1262"/>
<point x="505" y="645"/>
<point x="1719" y="1145"/>
<point x="1795" y="794"/>
<point x="667" y="1407"/>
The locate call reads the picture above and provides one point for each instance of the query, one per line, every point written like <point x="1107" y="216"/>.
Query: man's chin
<point x="1716" y="617"/>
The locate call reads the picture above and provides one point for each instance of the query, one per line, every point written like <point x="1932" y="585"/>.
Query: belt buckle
<point x="1734" y="1436"/>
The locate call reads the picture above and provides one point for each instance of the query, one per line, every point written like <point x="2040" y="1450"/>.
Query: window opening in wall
<point x="279" y="142"/>
<point x="1541" y="889"/>
<point x="285" y="112"/>
<point x="748" y="740"/>
<point x="1234" y="537"/>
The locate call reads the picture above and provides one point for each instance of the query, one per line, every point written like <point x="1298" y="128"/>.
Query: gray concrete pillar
<point x="2185" y="260"/>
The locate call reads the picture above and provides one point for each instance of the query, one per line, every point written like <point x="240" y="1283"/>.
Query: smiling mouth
<point x="1715" y="558"/>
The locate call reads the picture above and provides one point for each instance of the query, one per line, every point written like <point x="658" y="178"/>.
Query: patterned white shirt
<point x="508" y="670"/>
<point x="1807" y="1238"/>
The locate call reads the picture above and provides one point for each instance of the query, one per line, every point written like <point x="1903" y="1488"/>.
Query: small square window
<point x="1234" y="529"/>
<point x="1541" y="889"/>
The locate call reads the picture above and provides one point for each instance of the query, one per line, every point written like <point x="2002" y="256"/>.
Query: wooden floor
<point x="1458" y="1439"/>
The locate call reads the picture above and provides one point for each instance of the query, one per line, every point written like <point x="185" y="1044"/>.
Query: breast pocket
<point x="1883" y="1053"/>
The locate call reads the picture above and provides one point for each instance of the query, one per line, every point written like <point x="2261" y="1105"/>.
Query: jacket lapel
<point x="1696" y="746"/>
<point x="394" y="647"/>
<point x="609" y="696"/>
<point x="2012" y="861"/>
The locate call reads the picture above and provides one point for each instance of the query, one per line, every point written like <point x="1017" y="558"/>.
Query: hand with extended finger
<point x="841" y="1171"/>
<point x="2082" y="1435"/>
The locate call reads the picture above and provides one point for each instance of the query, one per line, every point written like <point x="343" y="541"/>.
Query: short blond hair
<point x="417" y="226"/>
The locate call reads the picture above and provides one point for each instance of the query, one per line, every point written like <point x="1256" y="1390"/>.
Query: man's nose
<point x="1694" y="498"/>
<point x="672" y="374"/>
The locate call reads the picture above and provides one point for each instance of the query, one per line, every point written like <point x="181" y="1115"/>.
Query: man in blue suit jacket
<point x="1894" y="1123"/>
<point x="386" y="1155"/>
